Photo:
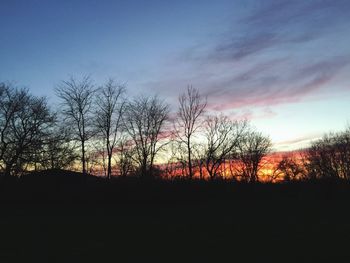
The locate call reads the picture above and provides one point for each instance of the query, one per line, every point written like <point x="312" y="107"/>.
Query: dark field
<point x="64" y="217"/>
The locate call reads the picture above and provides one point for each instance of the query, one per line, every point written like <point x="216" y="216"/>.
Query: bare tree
<point x="110" y="107"/>
<point x="124" y="158"/>
<point x="144" y="121"/>
<point x="173" y="165"/>
<point x="199" y="158"/>
<point x="191" y="108"/>
<point x="222" y="140"/>
<point x="77" y="100"/>
<point x="179" y="157"/>
<point x="98" y="147"/>
<point x="290" y="168"/>
<point x="59" y="151"/>
<point x="25" y="121"/>
<point x="253" y="147"/>
<point x="10" y="104"/>
<point x="329" y="157"/>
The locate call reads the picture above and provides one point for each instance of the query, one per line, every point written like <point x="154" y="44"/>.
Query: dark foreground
<point x="63" y="217"/>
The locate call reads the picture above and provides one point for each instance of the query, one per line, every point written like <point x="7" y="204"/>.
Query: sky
<point x="282" y="64"/>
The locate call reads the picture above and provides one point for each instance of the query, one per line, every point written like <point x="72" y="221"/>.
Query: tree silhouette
<point x="191" y="108"/>
<point x="329" y="157"/>
<point x="253" y="147"/>
<point x="222" y="140"/>
<point x="109" y="109"/>
<point x="125" y="155"/>
<point x="25" y="123"/>
<point x="290" y="169"/>
<point x="77" y="100"/>
<point x="10" y="103"/>
<point x="144" y="121"/>
<point x="60" y="150"/>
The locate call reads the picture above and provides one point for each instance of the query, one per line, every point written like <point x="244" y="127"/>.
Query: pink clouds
<point x="280" y="52"/>
<point x="286" y="89"/>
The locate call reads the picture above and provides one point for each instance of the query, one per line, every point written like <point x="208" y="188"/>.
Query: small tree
<point x="290" y="169"/>
<point x="124" y="156"/>
<point x="253" y="147"/>
<point x="222" y="141"/>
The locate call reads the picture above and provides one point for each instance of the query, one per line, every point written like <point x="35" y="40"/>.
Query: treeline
<point x="99" y="130"/>
<point x="326" y="158"/>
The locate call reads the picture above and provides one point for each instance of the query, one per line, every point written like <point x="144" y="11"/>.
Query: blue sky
<point x="283" y="64"/>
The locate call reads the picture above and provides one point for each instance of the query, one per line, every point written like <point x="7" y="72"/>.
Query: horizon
<point x="281" y="64"/>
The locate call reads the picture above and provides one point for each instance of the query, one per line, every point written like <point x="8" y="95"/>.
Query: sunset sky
<point x="285" y="65"/>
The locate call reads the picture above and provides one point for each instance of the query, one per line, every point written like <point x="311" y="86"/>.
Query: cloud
<point x="244" y="90"/>
<point x="239" y="48"/>
<point x="277" y="13"/>
<point x="248" y="114"/>
<point x="300" y="142"/>
<point x="277" y="24"/>
<point x="277" y="52"/>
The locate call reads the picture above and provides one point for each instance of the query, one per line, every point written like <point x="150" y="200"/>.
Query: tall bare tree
<point x="110" y="107"/>
<point x="191" y="108"/>
<point x="222" y="140"/>
<point x="25" y="121"/>
<point x="77" y="99"/>
<point x="253" y="147"/>
<point x="144" y="121"/>
<point x="10" y="103"/>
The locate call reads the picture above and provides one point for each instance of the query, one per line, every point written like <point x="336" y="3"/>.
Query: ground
<point x="64" y="217"/>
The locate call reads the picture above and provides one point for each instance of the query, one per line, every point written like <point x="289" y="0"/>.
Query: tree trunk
<point x="144" y="170"/>
<point x="201" y="170"/>
<point x="10" y="164"/>
<point x="83" y="156"/>
<point x="109" y="169"/>
<point x="8" y="170"/>
<point x="189" y="158"/>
